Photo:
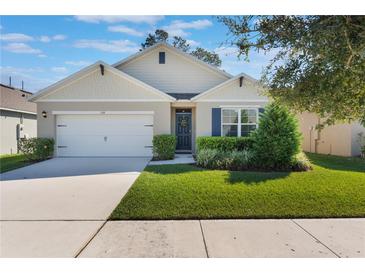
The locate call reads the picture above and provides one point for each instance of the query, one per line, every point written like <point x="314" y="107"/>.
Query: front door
<point x="183" y="129"/>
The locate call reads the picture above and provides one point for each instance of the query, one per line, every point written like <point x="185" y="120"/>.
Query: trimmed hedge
<point x="245" y="160"/>
<point x="231" y="160"/>
<point x="224" y="143"/>
<point x="164" y="146"/>
<point x="37" y="149"/>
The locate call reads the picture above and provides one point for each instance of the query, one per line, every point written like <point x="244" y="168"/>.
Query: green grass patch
<point x="334" y="188"/>
<point x="12" y="161"/>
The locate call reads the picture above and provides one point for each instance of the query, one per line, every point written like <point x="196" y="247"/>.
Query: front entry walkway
<point x="179" y="159"/>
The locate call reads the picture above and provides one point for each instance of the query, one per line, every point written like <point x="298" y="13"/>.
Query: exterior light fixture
<point x="44" y="114"/>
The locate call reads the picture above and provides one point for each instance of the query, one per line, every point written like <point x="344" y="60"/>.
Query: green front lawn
<point x="334" y="188"/>
<point x="12" y="161"/>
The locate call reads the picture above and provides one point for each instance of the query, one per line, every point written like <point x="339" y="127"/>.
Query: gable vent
<point x="161" y="57"/>
<point x="241" y="81"/>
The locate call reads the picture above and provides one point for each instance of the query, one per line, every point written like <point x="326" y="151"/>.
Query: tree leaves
<point x="182" y="44"/>
<point x="320" y="64"/>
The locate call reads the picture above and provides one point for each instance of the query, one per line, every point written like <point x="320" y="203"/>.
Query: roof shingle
<point x="11" y="98"/>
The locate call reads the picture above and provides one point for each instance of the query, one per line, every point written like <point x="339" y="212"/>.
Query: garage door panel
<point x="104" y="135"/>
<point x="107" y="131"/>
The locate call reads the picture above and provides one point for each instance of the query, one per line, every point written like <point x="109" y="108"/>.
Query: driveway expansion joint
<point x="314" y="237"/>
<point x="91" y="238"/>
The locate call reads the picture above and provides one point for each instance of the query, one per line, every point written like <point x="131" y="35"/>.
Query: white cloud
<point x="21" y="48"/>
<point x="80" y="63"/>
<point x="15" y="37"/>
<point x="59" y="37"/>
<point x="193" y="43"/>
<point x="126" y="30"/>
<point x="153" y="19"/>
<point x="59" y="69"/>
<point x="42" y="55"/>
<point x="108" y="45"/>
<point x="45" y="39"/>
<point x="178" y="27"/>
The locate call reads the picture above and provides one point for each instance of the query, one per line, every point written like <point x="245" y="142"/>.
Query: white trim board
<point x="100" y="100"/>
<point x="240" y="106"/>
<point x="18" y="110"/>
<point x="61" y="112"/>
<point x="235" y="101"/>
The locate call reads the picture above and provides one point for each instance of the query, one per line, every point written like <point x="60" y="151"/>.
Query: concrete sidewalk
<point x="300" y="238"/>
<point x="297" y="238"/>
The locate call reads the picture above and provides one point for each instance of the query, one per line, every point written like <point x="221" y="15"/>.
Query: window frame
<point x="239" y="123"/>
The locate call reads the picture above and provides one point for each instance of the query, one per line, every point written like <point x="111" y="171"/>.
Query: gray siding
<point x="9" y="122"/>
<point x="177" y="75"/>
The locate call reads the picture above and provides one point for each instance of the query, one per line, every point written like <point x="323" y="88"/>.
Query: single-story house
<point x="18" y="118"/>
<point x="114" y="110"/>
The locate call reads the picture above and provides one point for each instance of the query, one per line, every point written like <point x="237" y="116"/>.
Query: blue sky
<point x="41" y="50"/>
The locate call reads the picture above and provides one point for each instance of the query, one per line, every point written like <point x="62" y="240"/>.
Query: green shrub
<point x="223" y="143"/>
<point x="37" y="149"/>
<point x="301" y="163"/>
<point x="277" y="140"/>
<point x="241" y="160"/>
<point x="164" y="146"/>
<point x="230" y="160"/>
<point x="206" y="157"/>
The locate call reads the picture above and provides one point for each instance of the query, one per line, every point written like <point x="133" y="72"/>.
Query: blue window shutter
<point x="216" y="122"/>
<point x="261" y="111"/>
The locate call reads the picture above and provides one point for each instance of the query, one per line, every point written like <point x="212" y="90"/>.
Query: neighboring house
<point x="18" y="118"/>
<point x="115" y="110"/>
<point x="340" y="139"/>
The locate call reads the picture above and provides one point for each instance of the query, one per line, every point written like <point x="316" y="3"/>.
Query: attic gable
<point x="239" y="88"/>
<point x="101" y="82"/>
<point x="180" y="73"/>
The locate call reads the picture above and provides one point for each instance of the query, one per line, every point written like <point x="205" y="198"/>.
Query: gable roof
<point x="213" y="89"/>
<point x="177" y="51"/>
<point x="16" y="100"/>
<point x="183" y="96"/>
<point x="86" y="71"/>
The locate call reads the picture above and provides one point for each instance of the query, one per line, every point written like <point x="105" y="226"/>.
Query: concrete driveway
<point x="61" y="203"/>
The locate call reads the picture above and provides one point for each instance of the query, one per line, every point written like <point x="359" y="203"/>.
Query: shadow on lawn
<point x="233" y="177"/>
<point x="337" y="162"/>
<point x="250" y="177"/>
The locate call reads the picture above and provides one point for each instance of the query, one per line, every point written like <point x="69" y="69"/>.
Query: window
<point x="161" y="58"/>
<point x="239" y="121"/>
<point x="230" y="122"/>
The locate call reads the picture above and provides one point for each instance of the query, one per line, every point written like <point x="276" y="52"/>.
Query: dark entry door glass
<point x="183" y="131"/>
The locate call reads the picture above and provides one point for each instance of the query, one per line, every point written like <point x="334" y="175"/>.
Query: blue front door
<point x="183" y="130"/>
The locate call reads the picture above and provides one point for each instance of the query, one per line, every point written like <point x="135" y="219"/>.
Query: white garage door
<point x="104" y="135"/>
